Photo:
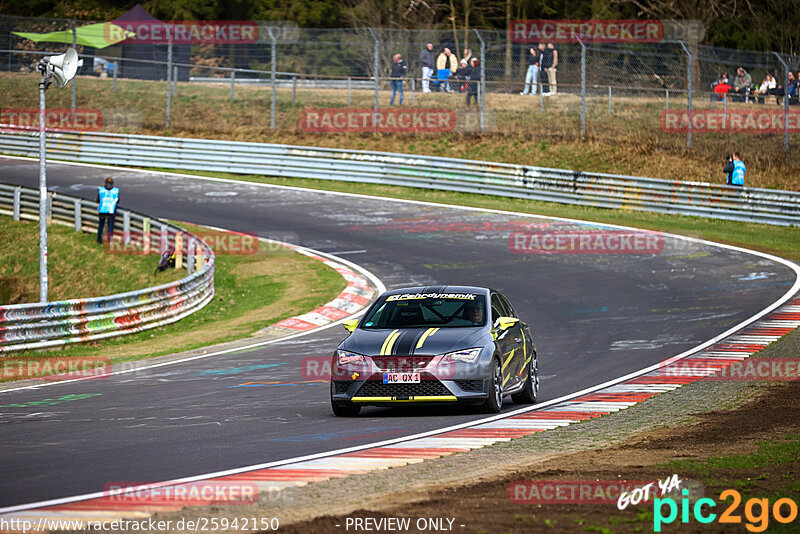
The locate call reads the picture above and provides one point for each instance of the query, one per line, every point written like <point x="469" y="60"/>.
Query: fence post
<point x="413" y="90"/>
<point x="174" y="80"/>
<point x="376" y="67"/>
<point x="190" y="256"/>
<point x="294" y="89"/>
<point x="116" y="68"/>
<point x="272" y="79"/>
<point x="146" y="235"/>
<point x="233" y="81"/>
<point x="541" y="95"/>
<point x="667" y="90"/>
<point x="689" y="91"/>
<point x="76" y="206"/>
<point x="724" y="112"/>
<point x="17" y="194"/>
<point x="75" y="78"/>
<point x="169" y="74"/>
<point x="126" y="227"/>
<point x="164" y="243"/>
<point x="483" y="81"/>
<point x="785" y="107"/>
<point x="583" y="88"/>
<point x="609" y="100"/>
<point x="349" y="100"/>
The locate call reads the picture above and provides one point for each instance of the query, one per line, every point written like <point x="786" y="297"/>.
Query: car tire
<point x="345" y="410"/>
<point x="530" y="392"/>
<point x="494" y="401"/>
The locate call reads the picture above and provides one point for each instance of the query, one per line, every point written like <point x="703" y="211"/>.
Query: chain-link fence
<point x="617" y="92"/>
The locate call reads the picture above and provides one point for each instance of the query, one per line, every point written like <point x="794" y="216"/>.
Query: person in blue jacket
<point x="735" y="169"/>
<point x="107" y="200"/>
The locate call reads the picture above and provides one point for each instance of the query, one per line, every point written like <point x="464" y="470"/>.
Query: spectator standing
<point x="467" y="56"/>
<point x="474" y="80"/>
<point x="107" y="200"/>
<point x="446" y="64"/>
<point x="532" y="76"/>
<point x="742" y="83"/>
<point x="428" y="64"/>
<point x="548" y="67"/>
<point x="735" y="169"/>
<point x="399" y="69"/>
<point x="462" y="75"/>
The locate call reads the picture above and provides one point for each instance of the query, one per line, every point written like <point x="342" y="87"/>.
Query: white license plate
<point x="401" y="378"/>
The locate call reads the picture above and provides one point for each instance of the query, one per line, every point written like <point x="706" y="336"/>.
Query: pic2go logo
<point x="783" y="510"/>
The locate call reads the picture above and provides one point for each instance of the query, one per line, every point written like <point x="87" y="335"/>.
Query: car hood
<point x="408" y="341"/>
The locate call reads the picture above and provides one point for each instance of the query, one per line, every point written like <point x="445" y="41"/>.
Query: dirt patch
<point x="13" y="290"/>
<point x="485" y="505"/>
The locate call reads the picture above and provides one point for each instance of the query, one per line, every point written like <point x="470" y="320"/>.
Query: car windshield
<point x="427" y="310"/>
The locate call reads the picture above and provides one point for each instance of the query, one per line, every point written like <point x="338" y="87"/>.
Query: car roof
<point x="439" y="289"/>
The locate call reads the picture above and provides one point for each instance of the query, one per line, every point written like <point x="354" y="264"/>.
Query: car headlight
<point x="350" y="358"/>
<point x="465" y="356"/>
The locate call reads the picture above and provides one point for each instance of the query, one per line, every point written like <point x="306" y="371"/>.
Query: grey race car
<point x="435" y="345"/>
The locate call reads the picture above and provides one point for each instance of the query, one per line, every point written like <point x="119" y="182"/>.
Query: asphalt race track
<point x="595" y="317"/>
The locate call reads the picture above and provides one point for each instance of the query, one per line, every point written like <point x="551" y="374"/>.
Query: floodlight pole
<point x="74" y="80"/>
<point x="42" y="186"/>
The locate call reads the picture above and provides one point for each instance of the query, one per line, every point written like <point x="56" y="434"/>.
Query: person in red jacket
<point x="722" y="87"/>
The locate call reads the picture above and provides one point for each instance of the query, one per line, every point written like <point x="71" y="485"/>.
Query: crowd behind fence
<point x="356" y="62"/>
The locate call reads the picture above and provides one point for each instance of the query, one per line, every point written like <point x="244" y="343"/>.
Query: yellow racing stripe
<point x="510" y="355"/>
<point x="386" y="349"/>
<point x="429" y="332"/>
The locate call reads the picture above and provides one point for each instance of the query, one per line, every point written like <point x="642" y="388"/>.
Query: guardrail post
<point x="233" y="81"/>
<point x="146" y="235"/>
<point x="169" y="74"/>
<point x="198" y="260"/>
<point x="114" y="84"/>
<point x="377" y="67"/>
<point x="178" y="250"/>
<point x="689" y="91"/>
<point x="164" y="238"/>
<point x="126" y="227"/>
<point x="190" y="256"/>
<point x="785" y="107"/>
<point x="17" y="195"/>
<point x="76" y="206"/>
<point x="272" y="78"/>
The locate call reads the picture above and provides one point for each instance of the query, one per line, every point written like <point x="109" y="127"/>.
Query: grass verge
<point x="629" y="140"/>
<point x="252" y="292"/>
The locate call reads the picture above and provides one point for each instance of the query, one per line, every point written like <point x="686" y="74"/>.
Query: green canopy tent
<point x="99" y="35"/>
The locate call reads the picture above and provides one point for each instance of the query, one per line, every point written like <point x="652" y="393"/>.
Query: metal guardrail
<point x="42" y="325"/>
<point x="449" y="174"/>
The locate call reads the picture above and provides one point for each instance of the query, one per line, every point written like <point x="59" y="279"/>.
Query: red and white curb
<point x="605" y="401"/>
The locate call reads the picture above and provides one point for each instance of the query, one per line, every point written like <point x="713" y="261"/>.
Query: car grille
<point x="341" y="387"/>
<point x="426" y="388"/>
<point x="470" y="385"/>
<point x="401" y="363"/>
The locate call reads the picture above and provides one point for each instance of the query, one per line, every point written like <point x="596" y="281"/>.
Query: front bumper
<point x="429" y="390"/>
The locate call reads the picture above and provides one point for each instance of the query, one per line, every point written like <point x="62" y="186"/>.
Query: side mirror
<point x="350" y="325"/>
<point x="504" y="323"/>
